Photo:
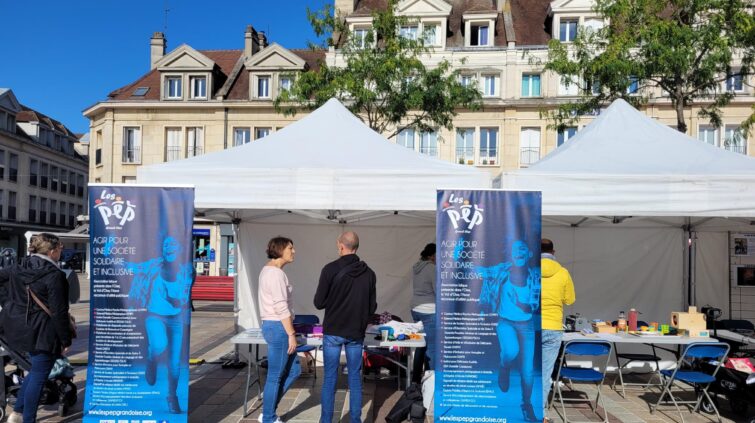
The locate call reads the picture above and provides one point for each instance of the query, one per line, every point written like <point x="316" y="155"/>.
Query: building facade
<point x="191" y="102"/>
<point x="42" y="178"/>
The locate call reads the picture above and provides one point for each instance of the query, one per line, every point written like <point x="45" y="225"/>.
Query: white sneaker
<point x="259" y="419"/>
<point x="15" y="418"/>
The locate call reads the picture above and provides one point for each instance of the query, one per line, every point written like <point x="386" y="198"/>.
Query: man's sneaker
<point x="15" y="418"/>
<point x="277" y="419"/>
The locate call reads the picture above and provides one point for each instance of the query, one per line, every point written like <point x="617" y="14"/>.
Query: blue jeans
<point x="332" y="355"/>
<point x="27" y="399"/>
<point x="551" y="346"/>
<point x="428" y="321"/>
<point x="517" y="342"/>
<point x="282" y="369"/>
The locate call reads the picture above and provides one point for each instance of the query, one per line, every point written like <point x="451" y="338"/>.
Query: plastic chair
<point x="582" y="374"/>
<point x="689" y="371"/>
<point x="308" y="319"/>
<point x="636" y="358"/>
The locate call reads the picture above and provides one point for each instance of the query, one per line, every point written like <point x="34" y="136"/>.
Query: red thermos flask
<point x="632" y="320"/>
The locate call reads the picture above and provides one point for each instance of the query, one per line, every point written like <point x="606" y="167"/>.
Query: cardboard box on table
<point x="690" y="323"/>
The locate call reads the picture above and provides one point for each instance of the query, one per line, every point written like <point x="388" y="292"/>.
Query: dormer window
<point x="285" y="82"/>
<point x="173" y="87"/>
<point x="359" y="37"/>
<point x="198" y="87"/>
<point x="479" y="35"/>
<point x="409" y="32"/>
<point x="568" y="29"/>
<point x="263" y="86"/>
<point x="431" y="34"/>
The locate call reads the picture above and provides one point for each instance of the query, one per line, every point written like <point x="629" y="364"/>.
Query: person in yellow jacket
<point x="557" y="290"/>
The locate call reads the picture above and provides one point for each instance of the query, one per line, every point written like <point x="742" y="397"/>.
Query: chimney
<point x="156" y="48"/>
<point x="250" y="39"/>
<point x="261" y="40"/>
<point x="345" y="7"/>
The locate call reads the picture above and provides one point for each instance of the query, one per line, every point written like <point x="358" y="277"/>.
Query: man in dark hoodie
<point x="347" y="293"/>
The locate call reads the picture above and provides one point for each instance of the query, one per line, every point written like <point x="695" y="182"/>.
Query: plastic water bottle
<point x="633" y="320"/>
<point x="621" y="324"/>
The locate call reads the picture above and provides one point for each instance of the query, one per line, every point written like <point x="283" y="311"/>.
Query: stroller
<point x="59" y="388"/>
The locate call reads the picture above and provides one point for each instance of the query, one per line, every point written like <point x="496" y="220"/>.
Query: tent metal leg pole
<point x="236" y="286"/>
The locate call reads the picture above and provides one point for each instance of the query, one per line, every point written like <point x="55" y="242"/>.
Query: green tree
<point x="381" y="77"/>
<point x="684" y="48"/>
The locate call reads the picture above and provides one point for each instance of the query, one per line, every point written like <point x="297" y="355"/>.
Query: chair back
<point x="710" y="351"/>
<point x="596" y="348"/>
<point x="306" y="319"/>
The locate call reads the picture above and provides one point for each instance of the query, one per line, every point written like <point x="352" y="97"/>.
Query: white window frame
<point x="703" y="134"/>
<point x="281" y="86"/>
<point x="463" y="153"/>
<point x="406" y="136"/>
<point x="258" y="81"/>
<point x="167" y="79"/>
<point x="428" y="143"/>
<point x="135" y="148"/>
<point x="262" y="132"/>
<point x="244" y="130"/>
<point x="436" y="41"/>
<point x="488" y="159"/>
<point x="725" y="140"/>
<point x="530" y="93"/>
<point x="467" y="80"/>
<point x="572" y="90"/>
<point x="565" y="135"/>
<point x="359" y="36"/>
<point x="194" y="141"/>
<point x="410" y="31"/>
<point x="173" y="148"/>
<point x="490" y="85"/>
<point x="193" y="79"/>
<point x="477" y="26"/>
<point x="569" y="37"/>
<point x="524" y="150"/>
<point x="730" y="83"/>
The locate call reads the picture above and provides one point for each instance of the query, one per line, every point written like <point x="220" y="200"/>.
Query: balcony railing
<point x="173" y="153"/>
<point x="132" y="155"/>
<point x="429" y="151"/>
<point x="195" y="151"/>
<point x="465" y="155"/>
<point x="736" y="148"/>
<point x="528" y="156"/>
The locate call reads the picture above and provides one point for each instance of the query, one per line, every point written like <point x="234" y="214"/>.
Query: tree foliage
<point x="382" y="77"/>
<point x="684" y="48"/>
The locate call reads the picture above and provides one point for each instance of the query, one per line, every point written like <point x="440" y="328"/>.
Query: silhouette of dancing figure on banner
<point x="512" y="291"/>
<point x="163" y="286"/>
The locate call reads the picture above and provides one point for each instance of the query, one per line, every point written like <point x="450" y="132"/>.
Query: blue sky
<point x="62" y="56"/>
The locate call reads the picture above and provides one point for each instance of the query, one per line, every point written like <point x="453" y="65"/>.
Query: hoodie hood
<point x="356" y="269"/>
<point x="549" y="267"/>
<point x="32" y="269"/>
<point x="420" y="265"/>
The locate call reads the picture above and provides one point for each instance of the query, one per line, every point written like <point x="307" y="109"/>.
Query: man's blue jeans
<point x="27" y="399"/>
<point x="332" y="352"/>
<point x="551" y="346"/>
<point x="282" y="369"/>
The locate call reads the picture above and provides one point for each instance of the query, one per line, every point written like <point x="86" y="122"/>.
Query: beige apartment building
<point x="42" y="178"/>
<point x="191" y="102"/>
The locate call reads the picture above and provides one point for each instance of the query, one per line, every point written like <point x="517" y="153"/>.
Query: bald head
<point x="348" y="243"/>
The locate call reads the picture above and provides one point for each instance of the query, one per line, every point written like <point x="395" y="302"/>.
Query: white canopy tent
<point x="315" y="178"/>
<point x="622" y="199"/>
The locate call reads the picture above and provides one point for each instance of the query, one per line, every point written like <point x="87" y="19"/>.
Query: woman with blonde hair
<point x="34" y="296"/>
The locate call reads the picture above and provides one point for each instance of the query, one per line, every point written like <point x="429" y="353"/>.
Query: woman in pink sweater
<point x="277" y="313"/>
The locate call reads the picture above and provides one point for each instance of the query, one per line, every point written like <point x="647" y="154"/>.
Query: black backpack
<point x="408" y="407"/>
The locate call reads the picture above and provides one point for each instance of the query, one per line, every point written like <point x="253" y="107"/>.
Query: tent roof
<point x="627" y="164"/>
<point x="327" y="160"/>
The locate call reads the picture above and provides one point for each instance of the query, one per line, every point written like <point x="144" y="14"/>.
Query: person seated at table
<point x="277" y="314"/>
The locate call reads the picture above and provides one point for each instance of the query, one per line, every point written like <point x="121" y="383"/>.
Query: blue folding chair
<point x="690" y="372"/>
<point x="308" y="319"/>
<point x="629" y="358"/>
<point x="571" y="374"/>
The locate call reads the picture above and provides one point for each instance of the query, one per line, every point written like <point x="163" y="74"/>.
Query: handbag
<point x="71" y="319"/>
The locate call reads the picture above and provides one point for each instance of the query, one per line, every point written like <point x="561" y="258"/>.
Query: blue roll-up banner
<point x="141" y="276"/>
<point x="488" y="307"/>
